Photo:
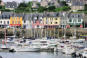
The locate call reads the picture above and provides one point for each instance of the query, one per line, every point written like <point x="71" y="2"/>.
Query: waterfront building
<point x="34" y="4"/>
<point x="85" y="21"/>
<point x="2" y="3"/>
<point x="4" y="19"/>
<point x="27" y="21"/>
<point x="77" y="5"/>
<point x="46" y="3"/>
<point x="37" y="20"/>
<point x="51" y="20"/>
<point x="16" y="20"/>
<point x="75" y="19"/>
<point x="64" y="19"/>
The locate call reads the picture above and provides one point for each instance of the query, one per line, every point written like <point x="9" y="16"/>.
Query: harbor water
<point x="7" y="54"/>
<point x="33" y="55"/>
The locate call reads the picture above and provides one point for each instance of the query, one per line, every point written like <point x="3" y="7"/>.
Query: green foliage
<point x="29" y="4"/>
<point x="38" y="4"/>
<point x="2" y="8"/>
<point x="22" y="5"/>
<point x="64" y="8"/>
<point x="85" y="7"/>
<point x="27" y="7"/>
<point x="42" y="9"/>
<point x="0" y="1"/>
<point x="51" y="8"/>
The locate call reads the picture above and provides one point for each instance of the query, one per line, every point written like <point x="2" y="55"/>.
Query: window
<point x="37" y="26"/>
<point x="55" y="22"/>
<point x="1" y="22"/>
<point x="7" y="22"/>
<point x="18" y="22"/>
<point x="5" y="16"/>
<point x="79" y="20"/>
<point x="12" y="22"/>
<point x="4" y="22"/>
<point x="56" y="19"/>
<point x="70" y="20"/>
<point x="24" y="21"/>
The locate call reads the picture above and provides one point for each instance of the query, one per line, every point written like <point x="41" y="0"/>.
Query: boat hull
<point x="25" y="49"/>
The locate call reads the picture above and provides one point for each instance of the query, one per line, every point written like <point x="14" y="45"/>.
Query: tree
<point x="29" y="4"/>
<point x="38" y="4"/>
<point x="51" y="8"/>
<point x="22" y="5"/>
<point x="42" y="9"/>
<point x="0" y="1"/>
<point x="85" y="7"/>
<point x="64" y="8"/>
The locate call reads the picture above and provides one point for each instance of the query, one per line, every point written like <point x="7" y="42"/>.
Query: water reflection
<point x="33" y="55"/>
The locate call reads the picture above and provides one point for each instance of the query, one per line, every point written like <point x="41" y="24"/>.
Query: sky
<point x="18" y="0"/>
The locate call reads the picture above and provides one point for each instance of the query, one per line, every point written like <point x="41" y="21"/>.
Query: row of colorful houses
<point x="40" y="20"/>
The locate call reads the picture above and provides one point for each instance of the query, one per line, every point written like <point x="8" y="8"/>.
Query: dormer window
<point x="9" y="6"/>
<point x="24" y="21"/>
<point x="2" y="16"/>
<point x="4" y="22"/>
<point x="5" y="16"/>
<point x="7" y="22"/>
<point x="78" y="15"/>
<point x="79" y="20"/>
<point x="40" y="18"/>
<point x="35" y="17"/>
<point x="13" y="6"/>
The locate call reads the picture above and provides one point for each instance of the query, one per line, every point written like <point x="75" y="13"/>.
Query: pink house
<point x="37" y="21"/>
<point x="37" y="24"/>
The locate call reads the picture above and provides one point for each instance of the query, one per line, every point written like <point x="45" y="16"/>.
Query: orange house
<point x="16" y="21"/>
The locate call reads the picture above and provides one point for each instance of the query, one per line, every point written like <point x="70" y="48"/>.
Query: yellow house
<point x="51" y="21"/>
<point x="16" y="21"/>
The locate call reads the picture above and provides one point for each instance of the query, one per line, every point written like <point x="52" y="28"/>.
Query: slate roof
<point x="6" y="15"/>
<point x="51" y="14"/>
<point x="77" y="3"/>
<point x="75" y="15"/>
<point x="11" y="4"/>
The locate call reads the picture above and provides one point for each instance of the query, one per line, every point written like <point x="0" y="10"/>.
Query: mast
<point x="5" y="36"/>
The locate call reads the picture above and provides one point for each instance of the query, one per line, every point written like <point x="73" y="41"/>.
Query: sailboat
<point x="4" y="43"/>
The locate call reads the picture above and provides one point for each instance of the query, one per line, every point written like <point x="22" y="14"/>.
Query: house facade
<point x="75" y="19"/>
<point x="77" y="5"/>
<point x="51" y="21"/>
<point x="46" y="3"/>
<point x="11" y="5"/>
<point x="16" y="22"/>
<point x="27" y="21"/>
<point x="64" y="19"/>
<point x="37" y="21"/>
<point x="4" y="19"/>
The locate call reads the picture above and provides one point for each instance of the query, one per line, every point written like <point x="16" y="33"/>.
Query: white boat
<point x="79" y="41"/>
<point x="68" y="50"/>
<point x="44" y="43"/>
<point x="22" y="48"/>
<point x="84" y="54"/>
<point x="60" y="47"/>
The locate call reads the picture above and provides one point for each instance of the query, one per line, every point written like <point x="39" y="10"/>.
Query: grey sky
<point x="18" y="0"/>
